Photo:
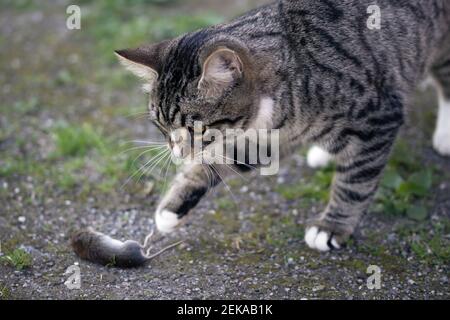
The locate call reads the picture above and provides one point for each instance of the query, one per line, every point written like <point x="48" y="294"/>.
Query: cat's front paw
<point x="166" y="221"/>
<point x="321" y="239"/>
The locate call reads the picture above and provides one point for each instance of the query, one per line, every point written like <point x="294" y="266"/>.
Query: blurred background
<point x="66" y="104"/>
<point x="68" y="114"/>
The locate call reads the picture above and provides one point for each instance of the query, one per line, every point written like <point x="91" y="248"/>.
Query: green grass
<point x="24" y="107"/>
<point x="82" y="149"/>
<point x="18" y="4"/>
<point x="225" y="204"/>
<point x="431" y="249"/>
<point x="116" y="26"/>
<point x="18" y="258"/>
<point x="427" y="241"/>
<point x="315" y="188"/>
<point x="405" y="189"/>
<point x="5" y="292"/>
<point x="72" y="140"/>
<point x="84" y="158"/>
<point x="84" y="161"/>
<point x="406" y="186"/>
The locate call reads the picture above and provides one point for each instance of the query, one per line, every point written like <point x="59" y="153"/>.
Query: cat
<point x="314" y="70"/>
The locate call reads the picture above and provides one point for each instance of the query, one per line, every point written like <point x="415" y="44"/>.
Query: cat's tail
<point x="99" y="248"/>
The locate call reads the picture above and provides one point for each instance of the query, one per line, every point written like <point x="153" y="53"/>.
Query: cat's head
<point x="196" y="78"/>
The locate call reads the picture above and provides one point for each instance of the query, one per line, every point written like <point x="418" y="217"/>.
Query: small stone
<point x="318" y="288"/>
<point x="22" y="219"/>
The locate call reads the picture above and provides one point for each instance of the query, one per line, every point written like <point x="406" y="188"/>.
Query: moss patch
<point x="18" y="258"/>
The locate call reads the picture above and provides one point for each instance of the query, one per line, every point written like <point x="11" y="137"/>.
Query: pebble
<point x="244" y="189"/>
<point x="318" y="288"/>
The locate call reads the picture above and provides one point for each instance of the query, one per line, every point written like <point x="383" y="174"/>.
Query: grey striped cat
<point x="316" y="71"/>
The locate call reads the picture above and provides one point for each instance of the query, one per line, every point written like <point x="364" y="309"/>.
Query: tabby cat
<point x="316" y="71"/>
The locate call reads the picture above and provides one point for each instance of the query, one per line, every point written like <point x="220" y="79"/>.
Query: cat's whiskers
<point x="146" y="165"/>
<point x="140" y="148"/>
<point x="238" y="162"/>
<point x="150" y="168"/>
<point x="168" y="165"/>
<point x="147" y="142"/>
<point x="138" y="115"/>
<point x="206" y="168"/>
<point x="147" y="151"/>
<point x="224" y="182"/>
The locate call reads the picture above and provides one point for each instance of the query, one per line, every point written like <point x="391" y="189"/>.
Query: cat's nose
<point x="176" y="145"/>
<point x="174" y="140"/>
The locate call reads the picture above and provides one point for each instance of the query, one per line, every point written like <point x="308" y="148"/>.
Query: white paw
<point x="166" y="221"/>
<point x="318" y="158"/>
<point x="441" y="142"/>
<point x="320" y="240"/>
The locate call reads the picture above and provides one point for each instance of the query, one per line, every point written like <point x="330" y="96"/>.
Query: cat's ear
<point x="220" y="69"/>
<point x="145" y="62"/>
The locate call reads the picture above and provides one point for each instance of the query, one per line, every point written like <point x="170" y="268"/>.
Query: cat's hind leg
<point x="359" y="168"/>
<point x="441" y="137"/>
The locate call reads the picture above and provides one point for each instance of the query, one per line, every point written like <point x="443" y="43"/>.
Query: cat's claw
<point x="166" y="221"/>
<point x="320" y="239"/>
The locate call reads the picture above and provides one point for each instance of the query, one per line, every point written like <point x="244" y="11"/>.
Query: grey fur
<point x="335" y="83"/>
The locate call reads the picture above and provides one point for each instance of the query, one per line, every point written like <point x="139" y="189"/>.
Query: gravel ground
<point x="246" y="243"/>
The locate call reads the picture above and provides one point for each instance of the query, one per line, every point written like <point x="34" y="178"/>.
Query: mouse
<point x="102" y="249"/>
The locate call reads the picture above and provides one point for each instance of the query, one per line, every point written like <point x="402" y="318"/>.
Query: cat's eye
<point x="192" y="131"/>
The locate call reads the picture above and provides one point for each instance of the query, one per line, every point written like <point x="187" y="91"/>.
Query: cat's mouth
<point x="179" y="152"/>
